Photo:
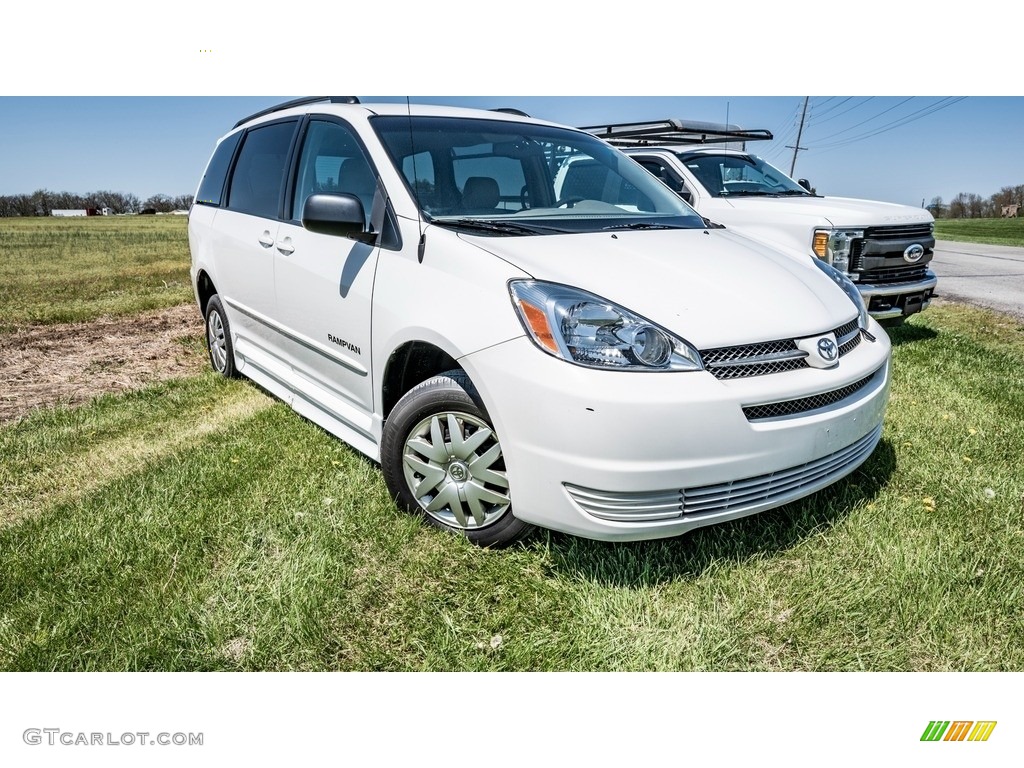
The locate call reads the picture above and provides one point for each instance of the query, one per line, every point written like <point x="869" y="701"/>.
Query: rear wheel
<point x="442" y="459"/>
<point x="218" y="339"/>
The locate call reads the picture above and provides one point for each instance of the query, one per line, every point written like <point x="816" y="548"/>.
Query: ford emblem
<point x="913" y="253"/>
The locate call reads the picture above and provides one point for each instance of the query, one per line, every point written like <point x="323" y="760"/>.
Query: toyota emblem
<point x="913" y="253"/>
<point x="827" y="349"/>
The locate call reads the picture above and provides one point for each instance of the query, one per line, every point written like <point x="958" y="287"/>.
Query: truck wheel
<point x="218" y="339"/>
<point x="442" y="459"/>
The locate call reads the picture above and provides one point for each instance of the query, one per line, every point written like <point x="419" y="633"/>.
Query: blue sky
<point x="894" y="148"/>
<point x="136" y="106"/>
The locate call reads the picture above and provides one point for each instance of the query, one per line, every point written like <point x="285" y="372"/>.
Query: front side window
<point x="333" y="162"/>
<point x="258" y="178"/>
<point x="513" y="176"/>
<point x="740" y="176"/>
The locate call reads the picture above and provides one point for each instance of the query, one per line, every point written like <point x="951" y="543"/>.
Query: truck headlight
<point x="849" y="289"/>
<point x="587" y="330"/>
<point x="834" y="246"/>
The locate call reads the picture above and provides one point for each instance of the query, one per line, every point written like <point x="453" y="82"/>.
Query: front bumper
<point x="635" y="455"/>
<point x="889" y="300"/>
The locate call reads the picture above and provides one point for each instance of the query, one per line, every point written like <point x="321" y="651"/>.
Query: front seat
<point x="480" y="195"/>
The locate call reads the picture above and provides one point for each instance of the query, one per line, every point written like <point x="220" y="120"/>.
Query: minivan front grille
<point x="804" y="404"/>
<point x="767" y="357"/>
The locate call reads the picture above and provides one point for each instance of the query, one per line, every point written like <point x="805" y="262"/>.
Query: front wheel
<point x="442" y="459"/>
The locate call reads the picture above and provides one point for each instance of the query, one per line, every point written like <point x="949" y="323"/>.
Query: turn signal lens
<point x="820" y="246"/>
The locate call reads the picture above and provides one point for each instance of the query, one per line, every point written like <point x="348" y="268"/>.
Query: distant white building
<point x="66" y="212"/>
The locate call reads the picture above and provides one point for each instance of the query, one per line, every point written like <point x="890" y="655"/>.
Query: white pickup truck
<point x="883" y="247"/>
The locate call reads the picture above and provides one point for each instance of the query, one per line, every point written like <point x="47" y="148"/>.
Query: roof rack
<point x="675" y="132"/>
<point x="510" y="111"/>
<point x="299" y="103"/>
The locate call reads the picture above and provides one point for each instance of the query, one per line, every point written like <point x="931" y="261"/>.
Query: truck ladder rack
<point x="674" y="132"/>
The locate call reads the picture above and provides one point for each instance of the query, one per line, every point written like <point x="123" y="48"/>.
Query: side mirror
<point x="687" y="196"/>
<point x="805" y="184"/>
<point x="340" y="215"/>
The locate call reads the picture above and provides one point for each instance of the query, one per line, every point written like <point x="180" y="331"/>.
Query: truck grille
<point x="878" y="256"/>
<point x="769" y="357"/>
<point x="897" y="274"/>
<point x="900" y="232"/>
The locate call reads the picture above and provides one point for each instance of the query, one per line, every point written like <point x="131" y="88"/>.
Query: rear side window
<point x="212" y="186"/>
<point x="258" y="179"/>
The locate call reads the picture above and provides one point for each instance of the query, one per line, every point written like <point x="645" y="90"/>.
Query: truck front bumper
<point x="891" y="300"/>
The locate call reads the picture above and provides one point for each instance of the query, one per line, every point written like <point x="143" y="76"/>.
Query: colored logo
<point x="958" y="730"/>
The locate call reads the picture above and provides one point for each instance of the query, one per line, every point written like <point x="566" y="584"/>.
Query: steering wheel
<point x="524" y="197"/>
<point x="568" y="202"/>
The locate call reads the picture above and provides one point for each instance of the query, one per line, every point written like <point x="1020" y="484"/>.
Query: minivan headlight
<point x="849" y="289"/>
<point x="587" y="330"/>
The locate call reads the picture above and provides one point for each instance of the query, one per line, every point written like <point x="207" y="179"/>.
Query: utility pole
<point x="799" y="133"/>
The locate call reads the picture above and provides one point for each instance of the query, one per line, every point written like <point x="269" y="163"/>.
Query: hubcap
<point x="454" y="467"/>
<point x="218" y="344"/>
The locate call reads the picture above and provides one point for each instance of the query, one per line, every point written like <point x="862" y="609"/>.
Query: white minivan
<point x="601" y="362"/>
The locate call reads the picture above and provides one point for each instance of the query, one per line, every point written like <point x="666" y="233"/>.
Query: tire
<point x="442" y="460"/>
<point x="218" y="339"/>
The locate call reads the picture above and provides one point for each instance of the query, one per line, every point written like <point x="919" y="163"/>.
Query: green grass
<point x="991" y="231"/>
<point x="56" y="270"/>
<point x="199" y="525"/>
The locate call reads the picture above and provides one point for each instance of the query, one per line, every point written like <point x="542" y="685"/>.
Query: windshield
<point x="504" y="177"/>
<point x="734" y="175"/>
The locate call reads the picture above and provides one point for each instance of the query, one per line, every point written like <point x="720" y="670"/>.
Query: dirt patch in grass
<point x="69" y="364"/>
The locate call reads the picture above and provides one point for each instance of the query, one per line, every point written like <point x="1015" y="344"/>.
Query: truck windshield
<point x="533" y="179"/>
<point x="740" y="175"/>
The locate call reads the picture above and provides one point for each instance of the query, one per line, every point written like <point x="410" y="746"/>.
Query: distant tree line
<point x="967" y="205"/>
<point x="42" y="202"/>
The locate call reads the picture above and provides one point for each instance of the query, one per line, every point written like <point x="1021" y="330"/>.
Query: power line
<point x="912" y="117"/>
<point x="849" y="109"/>
<point x="862" y="122"/>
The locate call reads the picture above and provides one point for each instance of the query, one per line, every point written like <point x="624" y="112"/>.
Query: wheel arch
<point x="204" y="290"/>
<point x="412" y="363"/>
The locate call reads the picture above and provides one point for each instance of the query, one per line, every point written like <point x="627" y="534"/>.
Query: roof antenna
<point x="422" y="247"/>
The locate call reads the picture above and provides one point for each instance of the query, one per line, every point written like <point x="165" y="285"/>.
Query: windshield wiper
<point x="497" y="227"/>
<point x="641" y="225"/>
<point x="728" y="193"/>
<point x="801" y="192"/>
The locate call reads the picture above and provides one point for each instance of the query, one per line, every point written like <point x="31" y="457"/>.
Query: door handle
<point x="265" y="239"/>
<point x="286" y="247"/>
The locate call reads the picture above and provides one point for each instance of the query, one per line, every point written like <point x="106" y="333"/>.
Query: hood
<point x="836" y="211"/>
<point x="710" y="287"/>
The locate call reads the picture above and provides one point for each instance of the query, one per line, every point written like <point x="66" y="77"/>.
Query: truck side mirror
<point x="805" y="184"/>
<point x="686" y="195"/>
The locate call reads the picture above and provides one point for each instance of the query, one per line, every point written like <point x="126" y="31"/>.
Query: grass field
<point x="64" y="270"/>
<point x="199" y="525"/>
<point x="992" y="231"/>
